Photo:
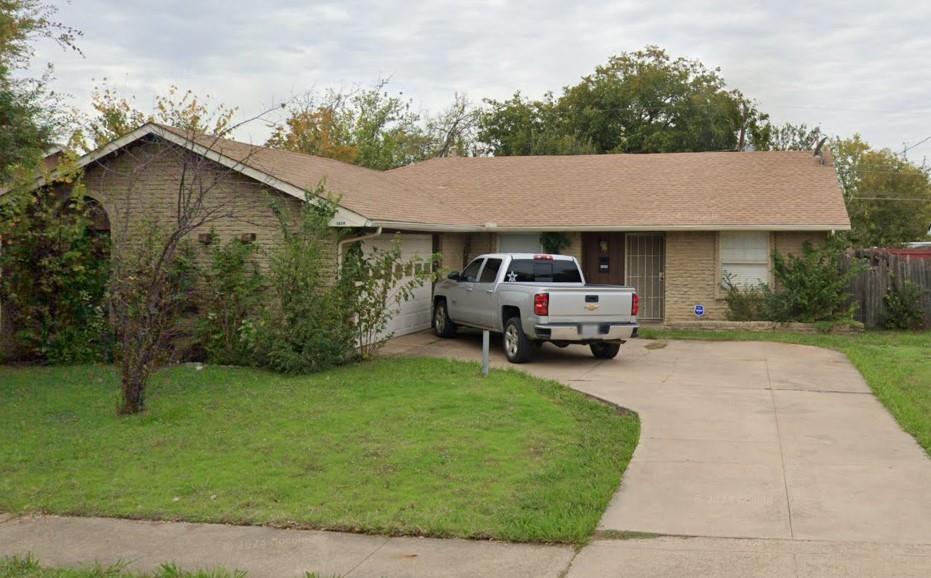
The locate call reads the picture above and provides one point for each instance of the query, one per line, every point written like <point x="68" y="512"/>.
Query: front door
<point x="646" y="264"/>
<point x="603" y="258"/>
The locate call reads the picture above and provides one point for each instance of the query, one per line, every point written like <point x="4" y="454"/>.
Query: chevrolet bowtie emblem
<point x="591" y="306"/>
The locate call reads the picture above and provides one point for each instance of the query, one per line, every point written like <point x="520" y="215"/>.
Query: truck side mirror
<point x="453" y="276"/>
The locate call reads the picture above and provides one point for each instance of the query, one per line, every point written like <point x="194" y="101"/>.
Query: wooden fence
<point x="884" y="271"/>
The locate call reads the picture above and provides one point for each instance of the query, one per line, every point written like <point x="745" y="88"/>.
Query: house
<point x="671" y="225"/>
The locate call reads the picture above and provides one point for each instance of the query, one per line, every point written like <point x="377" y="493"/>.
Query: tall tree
<point x="520" y="126"/>
<point x="116" y="114"/>
<point x="888" y="198"/>
<point x="786" y="137"/>
<point x="374" y="128"/>
<point x="29" y="119"/>
<point x="643" y="101"/>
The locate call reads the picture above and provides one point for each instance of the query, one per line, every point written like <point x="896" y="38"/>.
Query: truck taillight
<point x="541" y="304"/>
<point x="635" y="305"/>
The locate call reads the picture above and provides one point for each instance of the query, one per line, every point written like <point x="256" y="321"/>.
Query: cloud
<point x="849" y="66"/>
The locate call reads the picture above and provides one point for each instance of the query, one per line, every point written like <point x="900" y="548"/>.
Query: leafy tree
<point x="643" y="101"/>
<point x="117" y="114"/>
<point x="786" y="137"/>
<point x="368" y="127"/>
<point x="30" y="115"/>
<point x="520" y="126"/>
<point x="54" y="266"/>
<point x="373" y="128"/>
<point x="888" y="198"/>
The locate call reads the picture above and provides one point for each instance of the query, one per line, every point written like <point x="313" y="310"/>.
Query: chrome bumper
<point x="585" y="332"/>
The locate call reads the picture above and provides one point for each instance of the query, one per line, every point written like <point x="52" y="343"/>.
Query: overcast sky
<point x="849" y="66"/>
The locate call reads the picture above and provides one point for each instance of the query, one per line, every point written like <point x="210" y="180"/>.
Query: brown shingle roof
<point x="377" y="195"/>
<point x="715" y="190"/>
<point x="720" y="190"/>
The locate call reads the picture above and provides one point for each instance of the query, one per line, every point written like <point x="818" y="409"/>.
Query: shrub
<point x="745" y="303"/>
<point x="903" y="308"/>
<point x="54" y="277"/>
<point x="230" y="300"/>
<point x="316" y="319"/>
<point x="811" y="287"/>
<point x="305" y="327"/>
<point x="374" y="286"/>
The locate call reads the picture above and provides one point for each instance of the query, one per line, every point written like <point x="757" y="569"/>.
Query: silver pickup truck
<point x="532" y="299"/>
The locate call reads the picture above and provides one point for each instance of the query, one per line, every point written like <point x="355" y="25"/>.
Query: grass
<point x="897" y="366"/>
<point x="400" y="446"/>
<point x="28" y="567"/>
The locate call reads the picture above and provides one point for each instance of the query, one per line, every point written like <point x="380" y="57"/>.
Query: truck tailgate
<point x="591" y="304"/>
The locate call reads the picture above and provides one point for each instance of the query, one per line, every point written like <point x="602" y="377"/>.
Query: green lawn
<point x="395" y="446"/>
<point x="897" y="365"/>
<point x="20" y="567"/>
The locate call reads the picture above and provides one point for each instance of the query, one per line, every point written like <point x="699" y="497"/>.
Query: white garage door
<point x="519" y="243"/>
<point x="414" y="314"/>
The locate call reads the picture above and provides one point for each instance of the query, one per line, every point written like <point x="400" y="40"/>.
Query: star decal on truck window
<point x="512" y="277"/>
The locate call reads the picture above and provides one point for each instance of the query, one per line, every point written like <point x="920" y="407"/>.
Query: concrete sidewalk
<point x="268" y="552"/>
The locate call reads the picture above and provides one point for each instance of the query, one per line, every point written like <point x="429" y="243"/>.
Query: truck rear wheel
<point x="517" y="347"/>
<point x="443" y="326"/>
<point x="605" y="350"/>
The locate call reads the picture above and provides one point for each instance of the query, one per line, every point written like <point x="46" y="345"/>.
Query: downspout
<point x="344" y="242"/>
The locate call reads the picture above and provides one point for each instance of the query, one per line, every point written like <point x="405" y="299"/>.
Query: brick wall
<point x="691" y="272"/>
<point x="141" y="183"/>
<point x="575" y="248"/>
<point x="452" y="247"/>
<point x="790" y="242"/>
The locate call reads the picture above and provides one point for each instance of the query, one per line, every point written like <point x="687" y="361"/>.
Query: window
<point x="470" y="273"/>
<point x="744" y="258"/>
<point x="533" y="271"/>
<point x="490" y="272"/>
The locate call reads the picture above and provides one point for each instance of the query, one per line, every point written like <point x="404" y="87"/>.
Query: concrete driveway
<point x="774" y="459"/>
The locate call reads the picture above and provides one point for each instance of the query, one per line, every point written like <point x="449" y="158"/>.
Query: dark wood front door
<point x="603" y="258"/>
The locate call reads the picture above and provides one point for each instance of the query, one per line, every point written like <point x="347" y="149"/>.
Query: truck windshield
<point x="539" y="271"/>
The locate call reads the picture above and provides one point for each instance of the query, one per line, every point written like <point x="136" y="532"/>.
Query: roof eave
<point x="450" y="228"/>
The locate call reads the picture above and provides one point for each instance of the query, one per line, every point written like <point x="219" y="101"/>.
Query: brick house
<point x="671" y="225"/>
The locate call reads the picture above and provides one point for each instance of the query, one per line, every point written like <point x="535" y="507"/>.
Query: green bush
<point x="315" y="319"/>
<point x="305" y="327"/>
<point x="810" y="287"/>
<point x="903" y="308"/>
<point x="230" y="301"/>
<point x="374" y="286"/>
<point x="54" y="277"/>
<point x="745" y="303"/>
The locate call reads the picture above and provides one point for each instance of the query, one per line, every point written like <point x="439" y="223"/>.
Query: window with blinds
<point x="744" y="257"/>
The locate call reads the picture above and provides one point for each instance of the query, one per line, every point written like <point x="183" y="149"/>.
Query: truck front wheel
<point x="603" y="350"/>
<point x="443" y="326"/>
<point x="517" y="347"/>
